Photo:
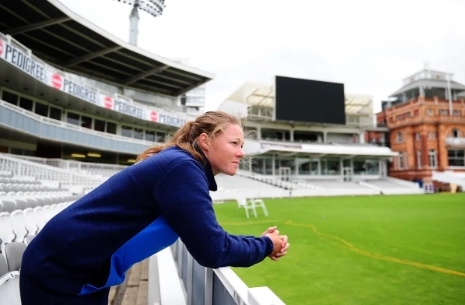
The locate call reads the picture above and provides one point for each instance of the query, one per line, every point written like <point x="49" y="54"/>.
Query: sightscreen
<point x="310" y="101"/>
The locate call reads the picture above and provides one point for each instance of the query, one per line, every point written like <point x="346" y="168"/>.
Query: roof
<point x="432" y="83"/>
<point x="319" y="149"/>
<point x="256" y="94"/>
<point x="358" y="104"/>
<point x="69" y="42"/>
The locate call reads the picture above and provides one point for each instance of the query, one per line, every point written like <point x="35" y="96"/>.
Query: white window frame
<point x="455" y="157"/>
<point x="433" y="160"/>
<point x="406" y="161"/>
<point x="401" y="161"/>
<point x="432" y="135"/>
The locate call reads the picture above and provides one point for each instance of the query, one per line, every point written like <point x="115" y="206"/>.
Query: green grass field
<point x="361" y="250"/>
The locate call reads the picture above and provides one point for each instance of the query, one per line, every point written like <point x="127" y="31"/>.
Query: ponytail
<point x="211" y="123"/>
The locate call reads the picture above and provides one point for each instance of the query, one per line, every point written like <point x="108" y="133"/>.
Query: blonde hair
<point x="211" y="122"/>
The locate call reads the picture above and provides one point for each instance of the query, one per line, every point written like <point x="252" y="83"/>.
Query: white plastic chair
<point x="246" y="205"/>
<point x="19" y="225"/>
<point x="6" y="230"/>
<point x="259" y="203"/>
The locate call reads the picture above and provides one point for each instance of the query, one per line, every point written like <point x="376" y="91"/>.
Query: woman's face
<point x="225" y="150"/>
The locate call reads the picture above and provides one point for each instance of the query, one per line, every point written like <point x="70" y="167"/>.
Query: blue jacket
<point x="134" y="214"/>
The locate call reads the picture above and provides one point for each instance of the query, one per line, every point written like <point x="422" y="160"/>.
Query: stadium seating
<point x="10" y="263"/>
<point x="14" y="254"/>
<point x="6" y="230"/>
<point x="3" y="265"/>
<point x="9" y="288"/>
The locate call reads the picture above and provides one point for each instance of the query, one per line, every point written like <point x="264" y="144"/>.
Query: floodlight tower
<point x="153" y="7"/>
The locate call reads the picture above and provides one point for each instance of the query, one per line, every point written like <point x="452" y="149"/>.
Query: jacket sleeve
<point x="184" y="200"/>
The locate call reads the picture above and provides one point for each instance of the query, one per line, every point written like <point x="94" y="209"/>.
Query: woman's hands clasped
<point x="280" y="243"/>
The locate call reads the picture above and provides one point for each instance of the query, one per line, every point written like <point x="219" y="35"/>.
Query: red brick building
<point x="426" y="123"/>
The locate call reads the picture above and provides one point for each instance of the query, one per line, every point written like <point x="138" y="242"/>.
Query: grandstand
<point x="81" y="93"/>
<point x="310" y="159"/>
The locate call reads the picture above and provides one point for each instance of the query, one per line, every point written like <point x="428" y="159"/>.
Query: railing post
<point x="189" y="278"/>
<point x="208" y="286"/>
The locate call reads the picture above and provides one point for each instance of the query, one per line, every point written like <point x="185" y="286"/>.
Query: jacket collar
<point x="208" y="171"/>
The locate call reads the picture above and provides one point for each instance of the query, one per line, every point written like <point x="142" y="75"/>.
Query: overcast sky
<point x="369" y="46"/>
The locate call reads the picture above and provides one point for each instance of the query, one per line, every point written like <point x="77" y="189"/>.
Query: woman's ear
<point x="204" y="141"/>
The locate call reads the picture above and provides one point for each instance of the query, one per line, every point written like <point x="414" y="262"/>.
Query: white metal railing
<point x="206" y="286"/>
<point x="62" y="124"/>
<point x="101" y="169"/>
<point x="455" y="141"/>
<point x="73" y="181"/>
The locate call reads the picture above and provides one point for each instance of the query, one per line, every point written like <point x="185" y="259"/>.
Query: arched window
<point x="399" y="137"/>
<point x="455" y="133"/>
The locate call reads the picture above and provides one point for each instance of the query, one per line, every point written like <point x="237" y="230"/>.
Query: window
<point x="417" y="136"/>
<point x="251" y="133"/>
<point x="456" y="157"/>
<point x="24" y="152"/>
<point x="25" y="103"/>
<point x="290" y="163"/>
<point x="431" y="135"/>
<point x="372" y="167"/>
<point x="329" y="166"/>
<point x="405" y="160"/>
<point x="401" y="161"/>
<point x="10" y="97"/>
<point x="41" y="109"/>
<point x="86" y="122"/>
<point x="111" y="128"/>
<point x="99" y="125"/>
<point x="429" y="112"/>
<point x="399" y="137"/>
<point x="126" y="131"/>
<point x="55" y="113"/>
<point x="275" y="134"/>
<point x="138" y="133"/>
<point x="160" y="137"/>
<point x="455" y="133"/>
<point x="419" y="159"/>
<point x="73" y="118"/>
<point x="432" y="158"/>
<point x="150" y="135"/>
<point x="443" y="112"/>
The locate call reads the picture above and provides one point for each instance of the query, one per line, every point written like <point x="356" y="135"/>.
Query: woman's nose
<point x="240" y="153"/>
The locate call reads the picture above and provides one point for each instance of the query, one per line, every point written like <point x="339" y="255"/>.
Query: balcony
<point x="455" y="142"/>
<point x="425" y="120"/>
